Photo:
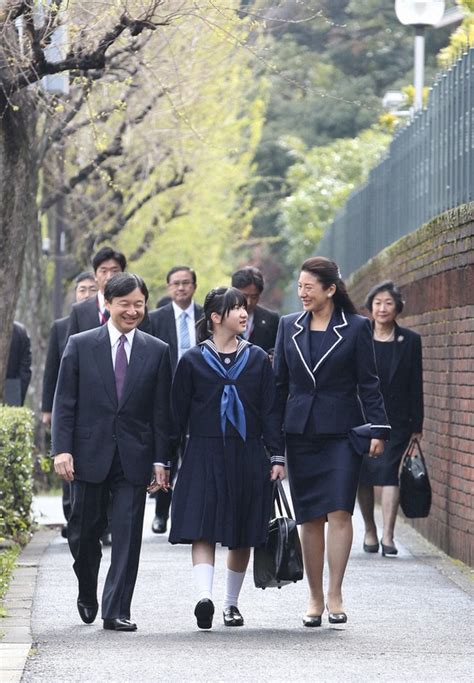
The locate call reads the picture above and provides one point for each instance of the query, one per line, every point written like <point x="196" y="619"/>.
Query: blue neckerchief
<point x="231" y="405"/>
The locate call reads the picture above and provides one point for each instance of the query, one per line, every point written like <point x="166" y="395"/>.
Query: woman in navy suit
<point x="399" y="365"/>
<point x="327" y="384"/>
<point x="223" y="396"/>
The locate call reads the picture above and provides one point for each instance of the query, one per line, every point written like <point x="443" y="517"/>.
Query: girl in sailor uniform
<point x="327" y="384"/>
<point x="223" y="397"/>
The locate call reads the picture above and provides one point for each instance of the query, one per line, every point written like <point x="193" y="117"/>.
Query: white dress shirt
<point x="102" y="307"/>
<point x="190" y="322"/>
<point x="115" y="335"/>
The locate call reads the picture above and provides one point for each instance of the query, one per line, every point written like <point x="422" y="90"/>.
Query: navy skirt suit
<point x="223" y="493"/>
<point x="327" y="384"/>
<point x="399" y="365"/>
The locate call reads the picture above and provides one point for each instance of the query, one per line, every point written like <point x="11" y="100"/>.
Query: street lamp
<point x="419" y="14"/>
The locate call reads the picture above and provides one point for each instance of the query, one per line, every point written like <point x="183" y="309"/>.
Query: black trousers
<point x="88" y="522"/>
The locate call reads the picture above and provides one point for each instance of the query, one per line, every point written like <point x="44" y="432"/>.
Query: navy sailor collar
<point x="241" y="345"/>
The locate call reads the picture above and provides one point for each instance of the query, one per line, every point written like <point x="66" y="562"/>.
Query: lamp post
<point x="419" y="14"/>
<point x="58" y="86"/>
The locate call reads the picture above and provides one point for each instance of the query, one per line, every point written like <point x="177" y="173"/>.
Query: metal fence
<point x="428" y="169"/>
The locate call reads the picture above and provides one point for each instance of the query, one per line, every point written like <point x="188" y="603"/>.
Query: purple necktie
<point x="121" y="365"/>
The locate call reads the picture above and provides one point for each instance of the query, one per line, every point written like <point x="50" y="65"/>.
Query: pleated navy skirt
<point x="383" y="471"/>
<point x="323" y="475"/>
<point x="223" y="494"/>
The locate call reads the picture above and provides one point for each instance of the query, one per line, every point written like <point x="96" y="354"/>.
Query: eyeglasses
<point x="181" y="283"/>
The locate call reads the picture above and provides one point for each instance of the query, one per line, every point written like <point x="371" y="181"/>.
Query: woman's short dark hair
<point x="327" y="272"/>
<point x="107" y="253"/>
<point x="221" y="301"/>
<point x="123" y="284"/>
<point x="386" y="286"/>
<point x="248" y="276"/>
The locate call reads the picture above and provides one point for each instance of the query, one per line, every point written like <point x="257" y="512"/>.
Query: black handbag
<point x="360" y="438"/>
<point x="280" y="561"/>
<point x="415" y="487"/>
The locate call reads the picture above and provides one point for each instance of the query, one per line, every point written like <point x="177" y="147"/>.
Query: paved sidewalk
<point x="410" y="619"/>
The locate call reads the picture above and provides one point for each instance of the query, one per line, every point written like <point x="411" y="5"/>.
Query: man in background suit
<point x="85" y="288"/>
<point x="174" y="323"/>
<point x="262" y="324"/>
<point x="110" y="430"/>
<point x="18" y="366"/>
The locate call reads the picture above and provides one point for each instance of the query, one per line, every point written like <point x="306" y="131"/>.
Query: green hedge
<point x="16" y="473"/>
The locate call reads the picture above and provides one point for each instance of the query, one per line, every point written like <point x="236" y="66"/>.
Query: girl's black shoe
<point x="232" y="616"/>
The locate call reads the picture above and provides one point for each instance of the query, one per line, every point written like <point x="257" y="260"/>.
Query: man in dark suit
<point x="85" y="288"/>
<point x="174" y="323"/>
<point x="18" y="366"/>
<point x="262" y="324"/>
<point x="110" y="431"/>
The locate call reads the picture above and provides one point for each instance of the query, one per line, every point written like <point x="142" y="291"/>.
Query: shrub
<point x="16" y="473"/>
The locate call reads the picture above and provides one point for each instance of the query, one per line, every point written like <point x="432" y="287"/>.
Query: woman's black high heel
<point x="311" y="621"/>
<point x="388" y="549"/>
<point x="336" y="617"/>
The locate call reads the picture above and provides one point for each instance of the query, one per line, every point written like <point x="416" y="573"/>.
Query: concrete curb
<point x="15" y="628"/>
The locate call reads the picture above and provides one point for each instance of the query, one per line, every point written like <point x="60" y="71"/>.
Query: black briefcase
<point x="280" y="561"/>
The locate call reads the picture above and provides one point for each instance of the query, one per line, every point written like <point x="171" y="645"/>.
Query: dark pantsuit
<point x="86" y="525"/>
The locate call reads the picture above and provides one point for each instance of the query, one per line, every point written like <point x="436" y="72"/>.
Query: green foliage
<point x="461" y="39"/>
<point x="7" y="564"/>
<point x="321" y="181"/>
<point x="16" y="472"/>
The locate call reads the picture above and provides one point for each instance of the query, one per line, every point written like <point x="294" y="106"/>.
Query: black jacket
<point x="404" y="396"/>
<point x="265" y="327"/>
<point x="342" y="391"/>
<point x="56" y="345"/>
<point x="89" y="423"/>
<point x="197" y="392"/>
<point x="163" y="326"/>
<point x="19" y="361"/>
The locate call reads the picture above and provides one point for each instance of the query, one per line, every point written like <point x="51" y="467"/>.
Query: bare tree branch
<point x="77" y="60"/>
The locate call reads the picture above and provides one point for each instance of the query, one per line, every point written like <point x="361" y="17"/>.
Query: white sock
<point x="233" y="584"/>
<point x="203" y="577"/>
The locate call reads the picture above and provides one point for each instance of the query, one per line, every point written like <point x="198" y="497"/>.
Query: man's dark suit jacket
<point x="91" y="424"/>
<point x="19" y="362"/>
<point x="56" y="345"/>
<point x="265" y="327"/>
<point x="163" y="326"/>
<point x="404" y="395"/>
<point x="85" y="316"/>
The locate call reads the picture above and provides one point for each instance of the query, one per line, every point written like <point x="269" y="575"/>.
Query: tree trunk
<point x="18" y="215"/>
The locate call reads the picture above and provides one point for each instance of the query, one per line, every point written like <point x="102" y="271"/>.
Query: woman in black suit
<point x="325" y="370"/>
<point x="399" y="365"/>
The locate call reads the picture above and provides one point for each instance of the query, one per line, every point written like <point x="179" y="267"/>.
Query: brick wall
<point x="434" y="268"/>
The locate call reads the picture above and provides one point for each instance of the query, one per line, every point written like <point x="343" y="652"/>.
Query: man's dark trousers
<point x="87" y="524"/>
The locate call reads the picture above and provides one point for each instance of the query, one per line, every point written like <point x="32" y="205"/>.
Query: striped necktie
<point x="184" y="338"/>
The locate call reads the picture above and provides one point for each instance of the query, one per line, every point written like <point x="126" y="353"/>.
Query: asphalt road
<point x="410" y="619"/>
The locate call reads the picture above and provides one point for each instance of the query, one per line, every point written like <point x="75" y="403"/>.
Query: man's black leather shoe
<point x="87" y="611"/>
<point x="158" y="525"/>
<point x="119" y="625"/>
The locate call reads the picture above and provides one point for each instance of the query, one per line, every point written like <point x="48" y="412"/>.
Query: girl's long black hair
<point x="221" y="301"/>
